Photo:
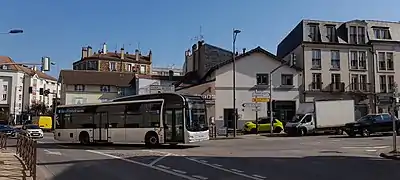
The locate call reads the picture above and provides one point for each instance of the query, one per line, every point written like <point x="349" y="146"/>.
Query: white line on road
<point x="237" y="170"/>
<point x="204" y="161"/>
<point x="179" y="171"/>
<point x="162" y="166"/>
<point x="371" y="150"/>
<point x="366" y="147"/>
<point x="52" y="152"/>
<point x="143" y="164"/>
<point x="200" y="177"/>
<point x="219" y="165"/>
<point x="159" y="159"/>
<point x="255" y="175"/>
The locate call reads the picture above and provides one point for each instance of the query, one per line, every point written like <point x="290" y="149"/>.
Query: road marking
<point x="371" y="150"/>
<point x="237" y="170"/>
<point x="179" y="171"/>
<point x="226" y="170"/>
<point x="200" y="177"/>
<point x="204" y="161"/>
<point x="159" y="159"/>
<point x="219" y="165"/>
<point x="143" y="164"/>
<point x="52" y="152"/>
<point x="162" y="166"/>
<point x="255" y="175"/>
<point x="366" y="147"/>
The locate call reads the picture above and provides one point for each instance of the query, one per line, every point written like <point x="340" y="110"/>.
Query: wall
<point x="14" y="92"/>
<point x="92" y="94"/>
<point x="36" y="83"/>
<point x="143" y="86"/>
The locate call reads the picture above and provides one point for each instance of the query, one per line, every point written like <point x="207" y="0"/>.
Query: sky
<point x="59" y="29"/>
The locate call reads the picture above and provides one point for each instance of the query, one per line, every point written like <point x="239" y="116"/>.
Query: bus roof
<point x="108" y="103"/>
<point x="183" y="96"/>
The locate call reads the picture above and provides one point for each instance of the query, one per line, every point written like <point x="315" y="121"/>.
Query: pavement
<point x="248" y="157"/>
<point x="11" y="168"/>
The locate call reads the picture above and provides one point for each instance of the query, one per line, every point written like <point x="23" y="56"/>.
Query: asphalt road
<point x="251" y="157"/>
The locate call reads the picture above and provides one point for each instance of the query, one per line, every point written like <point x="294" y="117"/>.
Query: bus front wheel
<point x="84" y="138"/>
<point x="151" y="139"/>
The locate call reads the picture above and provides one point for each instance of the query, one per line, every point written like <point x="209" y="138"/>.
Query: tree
<point x="39" y="109"/>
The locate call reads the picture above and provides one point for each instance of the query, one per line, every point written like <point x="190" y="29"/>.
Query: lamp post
<point x="235" y="33"/>
<point x="13" y="31"/>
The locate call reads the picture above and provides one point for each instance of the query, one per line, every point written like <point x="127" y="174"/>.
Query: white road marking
<point x="255" y="175"/>
<point x="371" y="150"/>
<point x="143" y="164"/>
<point x="336" y="140"/>
<point x="179" y="171"/>
<point x="52" y="152"/>
<point x="237" y="170"/>
<point x="159" y="159"/>
<point x="226" y="170"/>
<point x="200" y="177"/>
<point x="366" y="147"/>
<point x="204" y="161"/>
<point x="162" y="166"/>
<point x="219" y="165"/>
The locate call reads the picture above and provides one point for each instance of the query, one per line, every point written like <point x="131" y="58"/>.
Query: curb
<point x="390" y="156"/>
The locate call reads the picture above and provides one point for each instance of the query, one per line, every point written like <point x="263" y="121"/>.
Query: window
<point x="129" y="67"/>
<point x="363" y="82"/>
<point x="331" y="33"/>
<point x="335" y="79"/>
<point x="389" y="58"/>
<point x="105" y="88"/>
<point x="361" y="35"/>
<point x="5" y="88"/>
<point x="316" y="58"/>
<point x="143" y="115"/>
<point x="335" y="59"/>
<point x="262" y="79"/>
<point x="362" y="60"/>
<point x="287" y="79"/>
<point x="382" y="33"/>
<point x="353" y="35"/>
<point x="19" y="105"/>
<point x="92" y="65"/>
<point x="353" y="60"/>
<point x="79" y="87"/>
<point x="20" y="97"/>
<point x="313" y="32"/>
<point x="142" y="69"/>
<point x="385" y="61"/>
<point x="390" y="80"/>
<point x="316" y="81"/>
<point x="4" y="97"/>
<point x="116" y="115"/>
<point x="112" y="66"/>
<point x="354" y="82"/>
<point x="381" y="60"/>
<point x="382" y="83"/>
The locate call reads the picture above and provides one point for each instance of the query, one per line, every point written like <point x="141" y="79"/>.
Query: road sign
<point x="260" y="99"/>
<point x="250" y="105"/>
<point x="260" y="94"/>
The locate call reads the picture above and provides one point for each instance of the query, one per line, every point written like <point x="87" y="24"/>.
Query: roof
<point x="86" y="77"/>
<point x="116" y="56"/>
<point x="159" y="77"/>
<point x="15" y="67"/>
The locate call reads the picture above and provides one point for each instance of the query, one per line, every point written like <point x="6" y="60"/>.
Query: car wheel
<point x="365" y="132"/>
<point x="253" y="131"/>
<point x="277" y="130"/>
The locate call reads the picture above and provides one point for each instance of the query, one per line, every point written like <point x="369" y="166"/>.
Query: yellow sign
<point x="260" y="99"/>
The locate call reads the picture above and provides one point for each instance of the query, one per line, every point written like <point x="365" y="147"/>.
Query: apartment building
<point x="164" y="71"/>
<point x="354" y="59"/>
<point x="121" y="61"/>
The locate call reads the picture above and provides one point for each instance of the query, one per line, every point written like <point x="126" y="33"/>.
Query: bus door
<point x="100" y="131"/>
<point x="173" y="125"/>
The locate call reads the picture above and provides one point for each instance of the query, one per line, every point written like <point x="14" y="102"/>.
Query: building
<point x="252" y="69"/>
<point x="354" y="59"/>
<point x="122" y="61"/>
<point x="79" y="87"/>
<point x="164" y="71"/>
<point x="20" y="88"/>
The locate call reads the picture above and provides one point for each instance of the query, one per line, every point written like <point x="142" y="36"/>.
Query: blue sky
<point x="60" y="28"/>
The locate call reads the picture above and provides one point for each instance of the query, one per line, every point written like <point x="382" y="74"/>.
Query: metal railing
<point x="26" y="149"/>
<point x="3" y="141"/>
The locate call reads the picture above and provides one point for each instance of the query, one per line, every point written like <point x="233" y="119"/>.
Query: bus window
<point x="196" y="116"/>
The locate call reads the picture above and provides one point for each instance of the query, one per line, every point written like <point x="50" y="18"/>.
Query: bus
<point x="164" y="118"/>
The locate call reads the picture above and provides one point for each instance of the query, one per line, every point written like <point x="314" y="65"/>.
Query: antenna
<point x="138" y="46"/>
<point x="201" y="34"/>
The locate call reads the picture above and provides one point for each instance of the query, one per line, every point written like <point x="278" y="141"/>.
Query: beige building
<point x="354" y="59"/>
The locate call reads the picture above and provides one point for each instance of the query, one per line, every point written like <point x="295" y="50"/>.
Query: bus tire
<point x="84" y="138"/>
<point x="151" y="139"/>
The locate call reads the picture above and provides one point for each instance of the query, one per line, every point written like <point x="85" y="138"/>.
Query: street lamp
<point x="235" y="33"/>
<point x="13" y="31"/>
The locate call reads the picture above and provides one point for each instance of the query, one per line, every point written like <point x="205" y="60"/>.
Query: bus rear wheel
<point x="151" y="139"/>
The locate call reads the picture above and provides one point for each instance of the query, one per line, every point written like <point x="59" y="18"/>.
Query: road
<point x="251" y="157"/>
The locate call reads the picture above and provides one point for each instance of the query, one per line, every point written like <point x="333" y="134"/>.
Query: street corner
<point x="390" y="155"/>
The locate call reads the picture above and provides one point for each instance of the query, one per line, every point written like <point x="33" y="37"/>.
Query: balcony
<point x="315" y="86"/>
<point x="335" y="87"/>
<point x="362" y="88"/>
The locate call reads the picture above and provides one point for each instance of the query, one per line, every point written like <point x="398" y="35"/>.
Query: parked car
<point x="33" y="131"/>
<point x="8" y="130"/>
<point x="264" y="125"/>
<point x="372" y="123"/>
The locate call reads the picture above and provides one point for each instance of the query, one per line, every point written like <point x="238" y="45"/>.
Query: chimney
<point x="137" y="54"/>
<point x="104" y="48"/>
<point x="150" y="55"/>
<point x="244" y="50"/>
<point x="89" y="51"/>
<point x="34" y="68"/>
<point x="122" y="53"/>
<point x="84" y="52"/>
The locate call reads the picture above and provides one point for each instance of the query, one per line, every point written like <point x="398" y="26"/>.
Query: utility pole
<point x="394" y="100"/>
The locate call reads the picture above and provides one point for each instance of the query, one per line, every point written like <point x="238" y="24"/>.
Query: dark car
<point x="373" y="123"/>
<point x="8" y="130"/>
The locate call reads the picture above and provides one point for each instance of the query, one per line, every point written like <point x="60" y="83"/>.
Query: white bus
<point x="164" y="118"/>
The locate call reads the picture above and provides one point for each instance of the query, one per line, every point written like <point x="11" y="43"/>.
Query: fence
<point x="26" y="149"/>
<point x="3" y="141"/>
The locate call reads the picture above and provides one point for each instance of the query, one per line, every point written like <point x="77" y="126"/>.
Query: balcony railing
<point x="336" y="87"/>
<point x="361" y="87"/>
<point x="315" y="86"/>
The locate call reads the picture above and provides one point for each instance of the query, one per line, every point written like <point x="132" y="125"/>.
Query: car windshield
<point x="367" y="118"/>
<point x="32" y="127"/>
<point x="297" y="118"/>
<point x="196" y="116"/>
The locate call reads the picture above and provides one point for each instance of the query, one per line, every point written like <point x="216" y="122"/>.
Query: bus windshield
<point x="196" y="116"/>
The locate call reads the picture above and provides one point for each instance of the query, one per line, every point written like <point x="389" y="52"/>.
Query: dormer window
<point x="357" y="35"/>
<point x="331" y="33"/>
<point x="382" y="33"/>
<point x="313" y="32"/>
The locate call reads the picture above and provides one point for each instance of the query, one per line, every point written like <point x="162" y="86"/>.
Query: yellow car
<point x="263" y="126"/>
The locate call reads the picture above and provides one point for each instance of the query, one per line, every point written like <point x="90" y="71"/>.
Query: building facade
<point x="122" y="61"/>
<point x="350" y="60"/>
<point x="164" y="71"/>
<point x="252" y="74"/>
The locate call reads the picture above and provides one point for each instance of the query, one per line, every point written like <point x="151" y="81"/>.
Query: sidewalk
<point x="11" y="167"/>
